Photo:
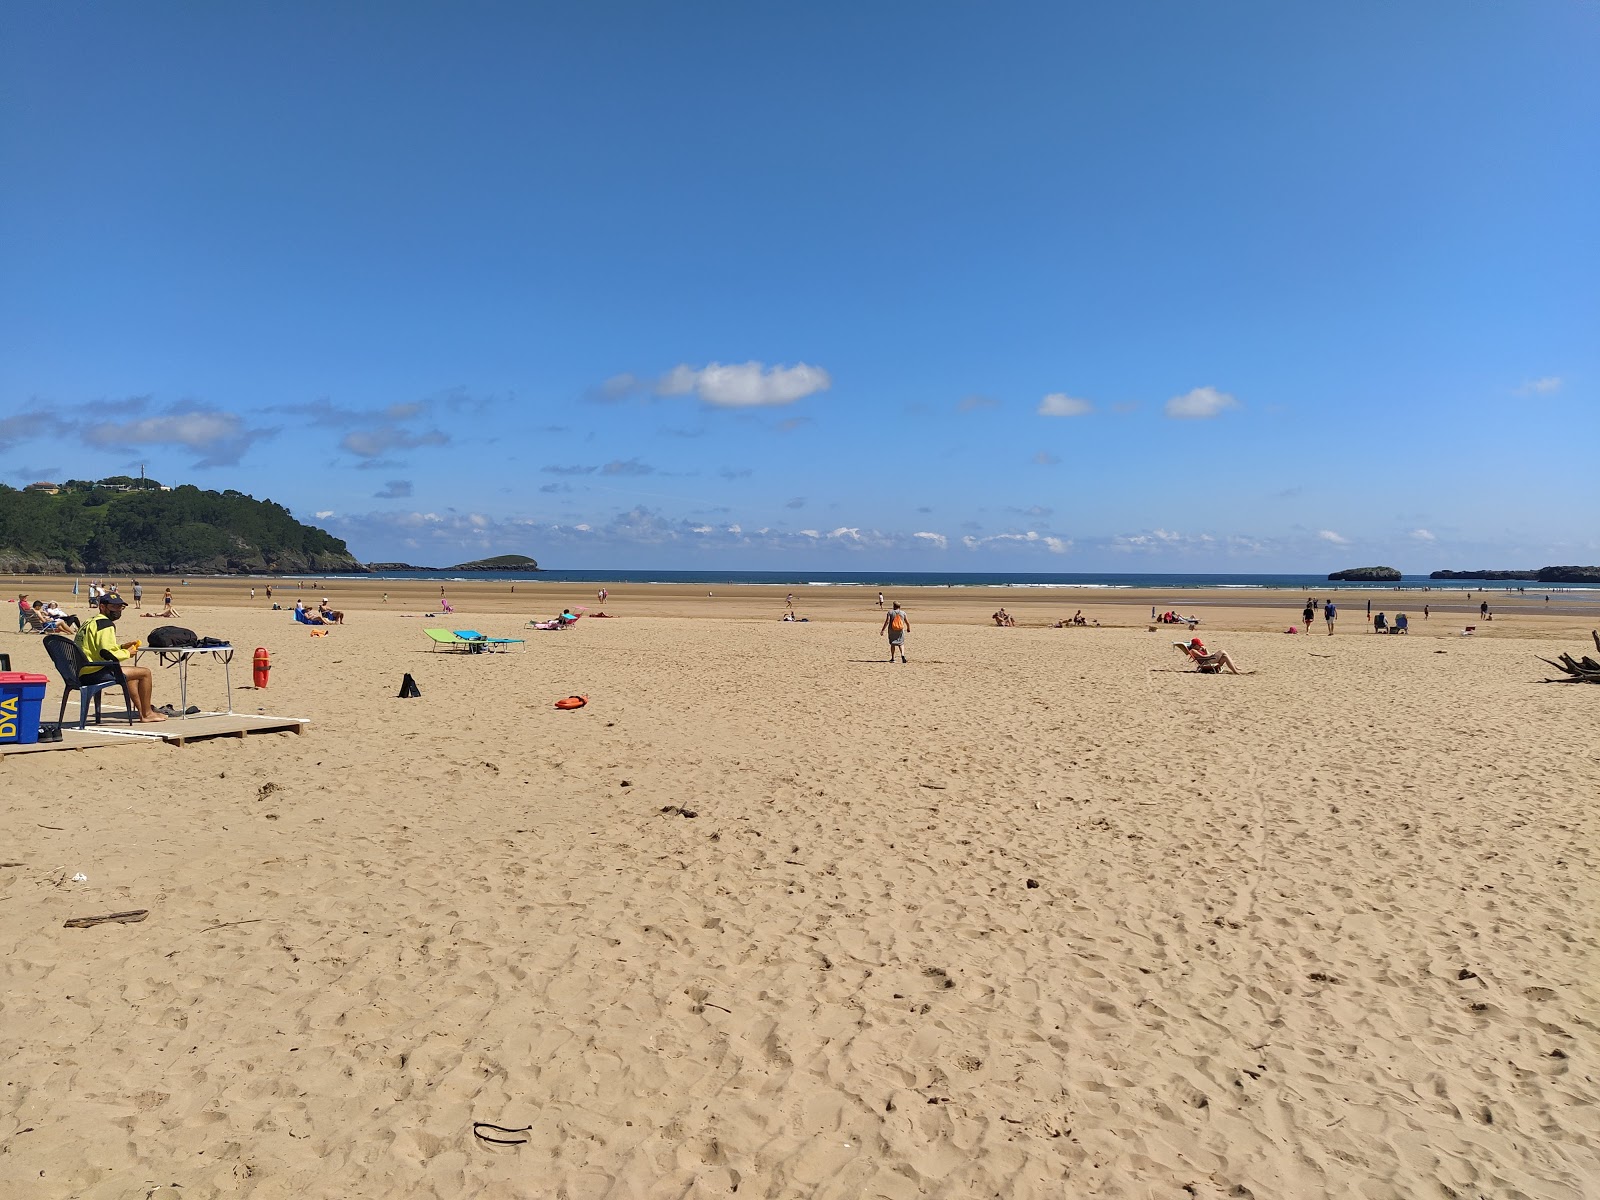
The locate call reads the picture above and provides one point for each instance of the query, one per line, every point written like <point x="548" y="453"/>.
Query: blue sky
<point x="1229" y="287"/>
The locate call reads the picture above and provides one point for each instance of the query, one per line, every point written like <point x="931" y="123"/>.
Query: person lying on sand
<point x="1206" y="663"/>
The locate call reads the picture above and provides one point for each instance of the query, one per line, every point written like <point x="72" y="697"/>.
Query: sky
<point x="1233" y="287"/>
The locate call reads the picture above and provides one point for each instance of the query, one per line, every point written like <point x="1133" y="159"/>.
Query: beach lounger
<point x="487" y="642"/>
<point x="443" y="637"/>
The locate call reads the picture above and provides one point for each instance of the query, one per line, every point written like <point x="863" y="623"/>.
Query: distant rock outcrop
<point x="1542" y="575"/>
<point x="1368" y="575"/>
<point x="502" y="562"/>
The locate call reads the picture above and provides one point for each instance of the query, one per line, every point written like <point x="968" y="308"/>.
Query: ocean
<point x="1311" y="585"/>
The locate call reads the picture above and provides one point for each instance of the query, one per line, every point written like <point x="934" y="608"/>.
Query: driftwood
<point x="1578" y="670"/>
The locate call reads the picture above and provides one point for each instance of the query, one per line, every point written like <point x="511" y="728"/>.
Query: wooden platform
<point x="175" y="731"/>
<point x="74" y="739"/>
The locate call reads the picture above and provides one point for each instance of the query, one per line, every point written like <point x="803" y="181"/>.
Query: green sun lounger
<point x="443" y="637"/>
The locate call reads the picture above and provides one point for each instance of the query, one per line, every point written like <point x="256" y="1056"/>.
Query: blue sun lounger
<point x="488" y="643"/>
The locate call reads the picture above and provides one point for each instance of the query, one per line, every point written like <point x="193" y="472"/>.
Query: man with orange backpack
<point x="896" y="624"/>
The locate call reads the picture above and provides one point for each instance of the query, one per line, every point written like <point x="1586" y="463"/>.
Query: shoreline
<point x="1262" y="609"/>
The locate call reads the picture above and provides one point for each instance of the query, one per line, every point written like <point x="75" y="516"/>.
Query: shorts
<point x="897" y="639"/>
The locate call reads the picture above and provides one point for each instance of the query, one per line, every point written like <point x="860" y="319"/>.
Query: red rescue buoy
<point x="263" y="664"/>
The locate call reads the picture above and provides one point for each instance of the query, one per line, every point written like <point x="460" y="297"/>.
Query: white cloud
<point x="1543" y="386"/>
<point x="370" y="443"/>
<point x="24" y="426"/>
<point x="744" y="385"/>
<point x="220" y="438"/>
<point x="1031" y="537"/>
<point x="1329" y="535"/>
<point x="937" y="540"/>
<point x="1162" y="540"/>
<point x="1201" y="403"/>
<point x="1423" y="535"/>
<point x="1059" y="404"/>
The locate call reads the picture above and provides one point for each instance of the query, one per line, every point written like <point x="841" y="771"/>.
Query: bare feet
<point x="151" y="717"/>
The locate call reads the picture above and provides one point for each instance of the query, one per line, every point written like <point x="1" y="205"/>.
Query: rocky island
<point x="501" y="562"/>
<point x="1367" y="575"/>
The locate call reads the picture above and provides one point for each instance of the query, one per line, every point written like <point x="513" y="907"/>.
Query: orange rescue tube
<point x="263" y="664"/>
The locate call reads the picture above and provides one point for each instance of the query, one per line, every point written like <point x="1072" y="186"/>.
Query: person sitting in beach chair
<point x="1380" y="624"/>
<point x="55" y="612"/>
<point x="1402" y="624"/>
<point x="330" y="616"/>
<point x="305" y="618"/>
<point x="37" y="622"/>
<point x="1207" y="663"/>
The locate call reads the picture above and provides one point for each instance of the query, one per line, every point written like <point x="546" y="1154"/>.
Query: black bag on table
<point x="171" y="637"/>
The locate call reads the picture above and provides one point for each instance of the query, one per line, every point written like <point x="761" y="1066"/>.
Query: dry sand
<point x="1038" y="914"/>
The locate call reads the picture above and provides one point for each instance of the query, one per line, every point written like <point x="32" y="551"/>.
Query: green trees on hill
<point x="92" y="527"/>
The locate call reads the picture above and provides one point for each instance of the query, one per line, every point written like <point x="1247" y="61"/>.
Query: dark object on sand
<point x="501" y="1135"/>
<point x="408" y="688"/>
<point x="121" y="918"/>
<point x="1580" y="670"/>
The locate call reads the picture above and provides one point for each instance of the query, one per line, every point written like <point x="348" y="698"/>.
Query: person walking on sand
<point x="1307" y="615"/>
<point x="880" y="599"/>
<point x="1328" y="614"/>
<point x="789" y="601"/>
<point x="896" y="624"/>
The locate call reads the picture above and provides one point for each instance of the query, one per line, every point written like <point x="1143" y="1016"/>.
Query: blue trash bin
<point x="21" y="697"/>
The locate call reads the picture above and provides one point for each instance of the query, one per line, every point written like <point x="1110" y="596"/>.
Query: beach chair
<point x="1402" y="624"/>
<point x="1380" y="624"/>
<point x="69" y="663"/>
<point x="487" y="642"/>
<point x="38" y="623"/>
<point x="443" y="637"/>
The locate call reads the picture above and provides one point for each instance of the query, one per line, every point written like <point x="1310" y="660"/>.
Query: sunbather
<point x="1208" y="663"/>
<point x="37" y="622"/>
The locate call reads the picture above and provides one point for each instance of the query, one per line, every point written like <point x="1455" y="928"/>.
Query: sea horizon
<point x="1176" y="580"/>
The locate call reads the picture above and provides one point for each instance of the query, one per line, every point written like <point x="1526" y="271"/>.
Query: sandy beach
<point x="1039" y="913"/>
